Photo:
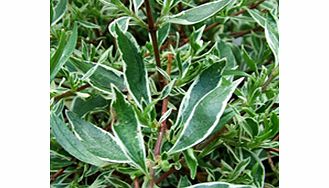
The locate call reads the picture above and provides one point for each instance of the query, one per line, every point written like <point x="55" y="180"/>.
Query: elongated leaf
<point x="137" y="4"/>
<point x="183" y="182"/>
<point x="59" y="11"/>
<point x="163" y="33"/>
<point x="81" y="106"/>
<point x="57" y="63"/>
<point x="204" y="117"/>
<point x="135" y="73"/>
<point x="204" y="83"/>
<point x="128" y="131"/>
<point x="191" y="162"/>
<point x="256" y="15"/>
<point x="199" y="13"/>
<point x="96" y="140"/>
<point x="225" y="51"/>
<point x="103" y="76"/>
<point x="122" y="22"/>
<point x="272" y="36"/>
<point x="219" y="185"/>
<point x="71" y="143"/>
<point x="89" y="25"/>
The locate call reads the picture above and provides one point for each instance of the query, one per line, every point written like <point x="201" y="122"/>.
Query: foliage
<point x="164" y="93"/>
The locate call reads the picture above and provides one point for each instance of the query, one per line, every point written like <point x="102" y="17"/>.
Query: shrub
<point x="164" y="93"/>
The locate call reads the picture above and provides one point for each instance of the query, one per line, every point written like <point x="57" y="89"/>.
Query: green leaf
<point x="71" y="143"/>
<point x="191" y="162"/>
<point x="183" y="182"/>
<point x="225" y="51"/>
<point x="103" y="76"/>
<point x="250" y="62"/>
<point x="256" y="15"/>
<point x="162" y="33"/>
<point x="239" y="169"/>
<point x="99" y="142"/>
<point x="206" y="112"/>
<point x="199" y="13"/>
<point x="137" y="4"/>
<point x="272" y="36"/>
<point x="166" y="6"/>
<point x="122" y="22"/>
<point x="89" y="25"/>
<point x="82" y="106"/>
<point x="59" y="11"/>
<point x="205" y="82"/>
<point x="58" y="60"/>
<point x="219" y="185"/>
<point x="135" y="73"/>
<point x="128" y="131"/>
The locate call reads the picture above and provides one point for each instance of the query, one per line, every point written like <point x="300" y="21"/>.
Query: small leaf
<point x="162" y="33"/>
<point x="82" y="106"/>
<point x="206" y="112"/>
<point x="122" y="22"/>
<point x="57" y="63"/>
<point x="89" y="25"/>
<point x="225" y="51"/>
<point x="71" y="143"/>
<point x="191" y="162"/>
<point x="219" y="185"/>
<point x="166" y="6"/>
<point x="59" y="11"/>
<point x="135" y="73"/>
<point x="199" y="13"/>
<point x="103" y="76"/>
<point x="256" y="15"/>
<point x="137" y="4"/>
<point x="250" y="62"/>
<point x="128" y="131"/>
<point x="239" y="169"/>
<point x="272" y="36"/>
<point x="183" y="182"/>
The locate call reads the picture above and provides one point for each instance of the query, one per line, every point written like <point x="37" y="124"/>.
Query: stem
<point x="70" y="92"/>
<point x="163" y="127"/>
<point x="136" y="184"/>
<point x="152" y="29"/>
<point x="58" y="173"/>
<point x="165" y="175"/>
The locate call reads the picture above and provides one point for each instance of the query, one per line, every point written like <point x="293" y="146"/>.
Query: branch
<point x="58" y="173"/>
<point x="163" y="127"/>
<point x="152" y="30"/>
<point x="70" y="92"/>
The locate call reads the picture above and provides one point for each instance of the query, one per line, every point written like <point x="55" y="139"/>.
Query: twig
<point x="165" y="175"/>
<point x="163" y="127"/>
<point x="210" y="139"/>
<point x="71" y="92"/>
<point x="58" y="173"/>
<point x="152" y="30"/>
<point x="136" y="184"/>
<point x="244" y="32"/>
<point x="253" y="6"/>
<point x="273" y="74"/>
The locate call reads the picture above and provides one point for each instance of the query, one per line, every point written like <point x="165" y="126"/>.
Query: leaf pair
<point x="202" y="107"/>
<point x="95" y="146"/>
